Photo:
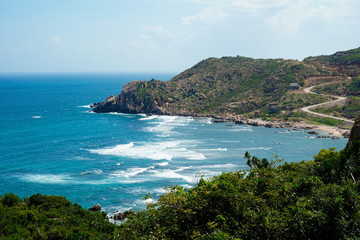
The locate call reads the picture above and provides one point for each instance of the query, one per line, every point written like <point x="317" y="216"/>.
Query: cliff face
<point x="225" y="86"/>
<point x="133" y="99"/>
<point x="355" y="132"/>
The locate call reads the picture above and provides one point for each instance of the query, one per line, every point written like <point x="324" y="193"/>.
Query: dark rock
<point x="269" y="125"/>
<point x="240" y="122"/>
<point x="219" y="120"/>
<point x="323" y="137"/>
<point x="122" y="215"/>
<point x="95" y="208"/>
<point x="335" y="138"/>
<point x="313" y="133"/>
<point x="355" y="132"/>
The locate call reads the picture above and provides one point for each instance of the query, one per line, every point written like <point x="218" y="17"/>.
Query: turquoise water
<point x="51" y="144"/>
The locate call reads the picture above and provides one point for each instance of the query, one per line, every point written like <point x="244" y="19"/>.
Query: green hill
<point x="232" y="86"/>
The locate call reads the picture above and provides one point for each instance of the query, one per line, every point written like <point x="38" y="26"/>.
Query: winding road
<point x="333" y="102"/>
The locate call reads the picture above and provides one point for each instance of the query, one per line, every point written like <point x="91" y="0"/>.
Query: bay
<point x="51" y="144"/>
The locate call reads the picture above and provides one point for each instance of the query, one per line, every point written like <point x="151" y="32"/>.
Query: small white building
<point x="294" y="86"/>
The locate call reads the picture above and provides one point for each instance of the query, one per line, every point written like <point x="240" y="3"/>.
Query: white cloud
<point x="210" y="14"/>
<point x="158" y="31"/>
<point x="291" y="16"/>
<point x="57" y="42"/>
<point x="152" y="36"/>
<point x="286" y="16"/>
<point x="144" y="36"/>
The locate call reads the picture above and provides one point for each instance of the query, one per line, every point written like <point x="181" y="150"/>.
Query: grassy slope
<point x="235" y="85"/>
<point x="240" y="85"/>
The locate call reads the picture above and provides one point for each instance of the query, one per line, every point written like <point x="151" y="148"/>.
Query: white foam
<point x="46" y="178"/>
<point x="165" y="124"/>
<point x="205" y="120"/>
<point x="168" y="173"/>
<point x="187" y="186"/>
<point x="217" y="149"/>
<point x="144" y="201"/>
<point x="80" y="158"/>
<point x="163" y="164"/>
<point x="255" y="148"/>
<point x="85" y="106"/>
<point x="152" y="150"/>
<point x="228" y="165"/>
<point x="131" y="172"/>
<point x="240" y="129"/>
<point x="159" y="190"/>
<point x="36" y="116"/>
<point x="149" y="200"/>
<point x="147" y="118"/>
<point x="96" y="171"/>
<point x="66" y="179"/>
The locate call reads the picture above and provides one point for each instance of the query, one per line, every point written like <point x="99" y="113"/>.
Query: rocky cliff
<point x="133" y="99"/>
<point x="355" y="132"/>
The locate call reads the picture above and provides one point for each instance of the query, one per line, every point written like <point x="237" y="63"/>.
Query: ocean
<point x="51" y="144"/>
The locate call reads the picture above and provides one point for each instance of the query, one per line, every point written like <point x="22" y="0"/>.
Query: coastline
<point x="321" y="130"/>
<point x="281" y="123"/>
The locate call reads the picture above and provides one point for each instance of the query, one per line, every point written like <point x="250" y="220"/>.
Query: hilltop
<point x="237" y="87"/>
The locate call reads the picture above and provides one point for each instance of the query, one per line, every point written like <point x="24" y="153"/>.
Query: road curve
<point x="338" y="99"/>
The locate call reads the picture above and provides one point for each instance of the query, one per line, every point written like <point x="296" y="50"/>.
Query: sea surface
<point x="51" y="144"/>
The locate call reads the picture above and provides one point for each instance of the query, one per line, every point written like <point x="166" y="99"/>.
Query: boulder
<point x="313" y="133"/>
<point x="323" y="137"/>
<point x="122" y="215"/>
<point x="355" y="132"/>
<point x="335" y="138"/>
<point x="95" y="208"/>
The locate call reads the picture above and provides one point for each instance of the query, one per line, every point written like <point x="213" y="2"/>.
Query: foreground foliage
<point x="309" y="200"/>
<point x="50" y="217"/>
<point x="317" y="199"/>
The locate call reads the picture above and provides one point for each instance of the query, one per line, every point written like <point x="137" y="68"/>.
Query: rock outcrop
<point x="136" y="97"/>
<point x="123" y="215"/>
<point x="95" y="208"/>
<point x="355" y="132"/>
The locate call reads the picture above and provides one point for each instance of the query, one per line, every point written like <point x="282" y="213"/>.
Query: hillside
<point x="233" y="86"/>
<point x="342" y="62"/>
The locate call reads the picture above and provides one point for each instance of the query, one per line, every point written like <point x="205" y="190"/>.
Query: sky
<point x="168" y="35"/>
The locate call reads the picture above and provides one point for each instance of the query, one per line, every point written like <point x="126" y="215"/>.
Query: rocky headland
<point x="257" y="92"/>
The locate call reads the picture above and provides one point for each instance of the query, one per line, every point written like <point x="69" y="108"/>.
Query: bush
<point x="10" y="200"/>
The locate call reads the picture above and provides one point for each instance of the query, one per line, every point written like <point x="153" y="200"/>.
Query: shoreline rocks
<point x="95" y="208"/>
<point x="122" y="215"/>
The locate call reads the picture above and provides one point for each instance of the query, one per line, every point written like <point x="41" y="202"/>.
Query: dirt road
<point x="333" y="102"/>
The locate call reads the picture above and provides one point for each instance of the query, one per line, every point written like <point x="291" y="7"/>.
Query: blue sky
<point x="168" y="35"/>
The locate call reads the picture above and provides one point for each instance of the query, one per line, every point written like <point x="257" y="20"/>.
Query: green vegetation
<point x="50" y="217"/>
<point x="318" y="199"/>
<point x="340" y="58"/>
<point x="235" y="85"/>
<point x="350" y="110"/>
<point x="231" y="86"/>
<point x="346" y="88"/>
<point x="316" y="120"/>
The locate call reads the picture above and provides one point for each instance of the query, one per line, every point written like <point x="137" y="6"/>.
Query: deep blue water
<point x="51" y="144"/>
